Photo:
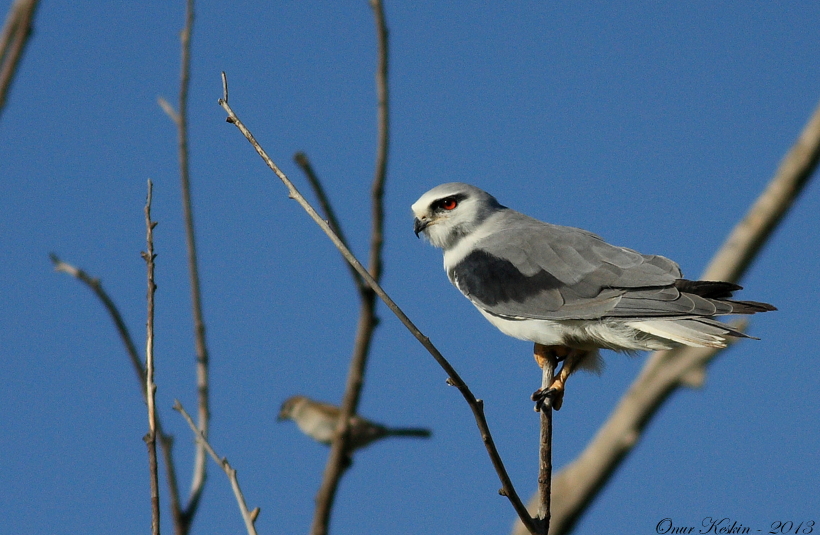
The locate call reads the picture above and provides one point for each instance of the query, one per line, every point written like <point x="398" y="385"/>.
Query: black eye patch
<point x="448" y="203"/>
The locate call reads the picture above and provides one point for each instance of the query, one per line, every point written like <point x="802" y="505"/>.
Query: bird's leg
<point x="547" y="358"/>
<point x="551" y="355"/>
<point x="542" y="353"/>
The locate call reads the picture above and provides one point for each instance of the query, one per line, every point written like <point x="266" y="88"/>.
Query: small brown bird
<point x="319" y="421"/>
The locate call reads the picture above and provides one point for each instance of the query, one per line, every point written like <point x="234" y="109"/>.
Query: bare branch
<point x="248" y="516"/>
<point x="302" y="161"/>
<point x="750" y="234"/>
<point x="476" y="405"/>
<point x="16" y="32"/>
<point x="542" y="516"/>
<point x="150" y="386"/>
<point x="380" y="174"/>
<point x="122" y="329"/>
<point x="577" y="484"/>
<point x="166" y="442"/>
<point x="338" y="460"/>
<point x="168" y="109"/>
<point x="180" y="119"/>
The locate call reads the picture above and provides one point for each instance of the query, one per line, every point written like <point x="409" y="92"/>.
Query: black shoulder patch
<point x="492" y="280"/>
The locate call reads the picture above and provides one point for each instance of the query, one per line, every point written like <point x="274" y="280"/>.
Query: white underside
<point x="639" y="335"/>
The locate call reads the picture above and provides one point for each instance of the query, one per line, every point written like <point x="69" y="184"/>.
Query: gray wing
<point x="528" y="269"/>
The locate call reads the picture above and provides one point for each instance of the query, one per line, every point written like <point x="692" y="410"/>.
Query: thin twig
<point x="150" y="386"/>
<point x="380" y="173"/>
<point x="13" y="39"/>
<point x="183" y="519"/>
<point x="202" y="356"/>
<point x="180" y="119"/>
<point x="302" y="161"/>
<point x="476" y="405"/>
<point x="338" y="459"/>
<point x="577" y="484"/>
<point x="119" y="323"/>
<point x="166" y="441"/>
<point x="248" y="516"/>
<point x="169" y="110"/>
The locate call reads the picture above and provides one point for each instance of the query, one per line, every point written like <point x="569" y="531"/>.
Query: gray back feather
<point x="529" y="269"/>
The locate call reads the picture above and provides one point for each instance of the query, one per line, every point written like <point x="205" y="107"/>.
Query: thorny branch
<point x="579" y="483"/>
<point x="150" y="386"/>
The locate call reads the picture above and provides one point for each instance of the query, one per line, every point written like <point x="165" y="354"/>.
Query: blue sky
<point x="653" y="124"/>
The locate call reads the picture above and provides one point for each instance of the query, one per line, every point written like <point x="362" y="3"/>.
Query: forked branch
<point x="248" y="516"/>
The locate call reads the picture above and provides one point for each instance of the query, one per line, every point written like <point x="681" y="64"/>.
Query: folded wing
<point x="528" y="269"/>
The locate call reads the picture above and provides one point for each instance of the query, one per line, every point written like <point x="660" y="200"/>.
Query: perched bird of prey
<point x="566" y="289"/>
<point x="319" y="421"/>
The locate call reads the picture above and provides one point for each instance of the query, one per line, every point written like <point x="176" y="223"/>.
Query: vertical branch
<point x="202" y="358"/>
<point x="180" y="119"/>
<point x="184" y="518"/>
<point x="338" y="459"/>
<point x="150" y="387"/>
<point x="542" y="517"/>
<point x="377" y="190"/>
<point x="13" y="39"/>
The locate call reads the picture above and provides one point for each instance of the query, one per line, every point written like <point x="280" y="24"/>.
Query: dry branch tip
<point x="224" y="98"/>
<point x="168" y="109"/>
<point x="247" y="515"/>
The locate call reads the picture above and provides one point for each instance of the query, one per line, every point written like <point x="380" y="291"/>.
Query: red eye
<point x="448" y="204"/>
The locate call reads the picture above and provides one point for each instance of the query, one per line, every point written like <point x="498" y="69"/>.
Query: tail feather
<point x="749" y="307"/>
<point x="687" y="332"/>
<point x="722" y="292"/>
<point x="409" y="432"/>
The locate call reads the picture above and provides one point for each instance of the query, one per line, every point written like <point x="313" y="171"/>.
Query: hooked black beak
<point x="419" y="225"/>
